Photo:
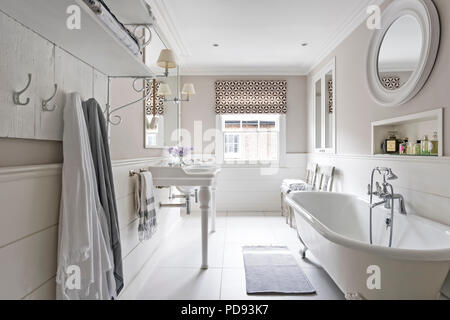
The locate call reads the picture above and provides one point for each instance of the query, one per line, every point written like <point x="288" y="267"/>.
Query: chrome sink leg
<point x="188" y="204"/>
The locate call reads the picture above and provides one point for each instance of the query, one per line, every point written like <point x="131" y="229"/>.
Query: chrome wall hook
<point x="16" y="94"/>
<point x="46" y="101"/>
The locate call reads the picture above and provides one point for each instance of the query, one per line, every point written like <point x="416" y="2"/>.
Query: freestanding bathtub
<point x="335" y="227"/>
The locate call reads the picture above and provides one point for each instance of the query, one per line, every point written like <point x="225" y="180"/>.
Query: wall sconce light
<point x="167" y="61"/>
<point x="164" y="90"/>
<point x="188" y="90"/>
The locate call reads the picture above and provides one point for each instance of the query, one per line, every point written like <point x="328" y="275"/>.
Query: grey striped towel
<point x="145" y="206"/>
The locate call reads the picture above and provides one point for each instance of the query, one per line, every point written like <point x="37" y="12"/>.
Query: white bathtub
<point x="335" y="227"/>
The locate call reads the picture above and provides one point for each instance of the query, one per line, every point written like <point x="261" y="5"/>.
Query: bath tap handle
<point x="379" y="191"/>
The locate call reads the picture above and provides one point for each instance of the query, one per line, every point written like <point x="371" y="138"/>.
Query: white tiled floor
<point x="176" y="272"/>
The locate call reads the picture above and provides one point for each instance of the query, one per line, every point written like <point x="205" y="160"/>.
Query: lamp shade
<point x="188" y="88"/>
<point x="167" y="59"/>
<point x="164" y="90"/>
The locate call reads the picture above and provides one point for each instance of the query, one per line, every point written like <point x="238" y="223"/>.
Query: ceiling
<point x="255" y="36"/>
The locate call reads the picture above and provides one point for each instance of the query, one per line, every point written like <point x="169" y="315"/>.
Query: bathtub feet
<point x="303" y="252"/>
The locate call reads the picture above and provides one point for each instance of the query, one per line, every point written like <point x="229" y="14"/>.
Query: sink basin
<point x="193" y="175"/>
<point x="201" y="169"/>
<point x="185" y="189"/>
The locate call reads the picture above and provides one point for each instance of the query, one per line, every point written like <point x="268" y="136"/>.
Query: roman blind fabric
<point x="251" y="96"/>
<point x="149" y="100"/>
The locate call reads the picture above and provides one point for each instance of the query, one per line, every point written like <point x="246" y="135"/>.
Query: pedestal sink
<point x="202" y="176"/>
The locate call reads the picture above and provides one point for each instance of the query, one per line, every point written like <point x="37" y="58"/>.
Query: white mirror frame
<point x="426" y="14"/>
<point x="320" y="75"/>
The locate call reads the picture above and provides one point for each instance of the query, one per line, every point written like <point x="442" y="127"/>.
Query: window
<point x="154" y="137"/>
<point x="250" y="137"/>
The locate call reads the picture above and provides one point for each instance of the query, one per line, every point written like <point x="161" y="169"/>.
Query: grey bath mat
<point x="274" y="270"/>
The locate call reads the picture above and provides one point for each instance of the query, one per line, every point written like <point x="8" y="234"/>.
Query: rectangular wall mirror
<point x="165" y="134"/>
<point x="324" y="106"/>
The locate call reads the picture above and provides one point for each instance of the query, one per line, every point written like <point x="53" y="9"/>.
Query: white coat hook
<point x="16" y="95"/>
<point x="46" y="101"/>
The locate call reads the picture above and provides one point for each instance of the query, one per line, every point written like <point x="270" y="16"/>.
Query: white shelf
<point x="129" y="11"/>
<point x="413" y="126"/>
<point x="93" y="43"/>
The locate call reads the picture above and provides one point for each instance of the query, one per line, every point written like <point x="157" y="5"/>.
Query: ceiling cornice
<point x="344" y="31"/>
<point x="167" y="29"/>
<point x="259" y="71"/>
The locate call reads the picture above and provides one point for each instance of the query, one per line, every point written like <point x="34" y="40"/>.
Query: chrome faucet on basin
<point x="386" y="193"/>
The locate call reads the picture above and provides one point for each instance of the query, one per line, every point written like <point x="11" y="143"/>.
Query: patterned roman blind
<point x="249" y="96"/>
<point x="149" y="100"/>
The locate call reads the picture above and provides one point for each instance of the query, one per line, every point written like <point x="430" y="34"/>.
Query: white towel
<point x="145" y="206"/>
<point x="82" y="246"/>
<point x="290" y="185"/>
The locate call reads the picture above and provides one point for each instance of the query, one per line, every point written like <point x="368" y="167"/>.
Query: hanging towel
<point x="145" y="206"/>
<point x="84" y="270"/>
<point x="98" y="137"/>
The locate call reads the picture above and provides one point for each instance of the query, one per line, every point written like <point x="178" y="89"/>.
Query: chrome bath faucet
<point x="386" y="193"/>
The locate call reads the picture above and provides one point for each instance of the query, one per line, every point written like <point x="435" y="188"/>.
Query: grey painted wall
<point x="127" y="139"/>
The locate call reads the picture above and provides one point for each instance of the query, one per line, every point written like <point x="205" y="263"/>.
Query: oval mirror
<point x="403" y="51"/>
<point x="400" y="52"/>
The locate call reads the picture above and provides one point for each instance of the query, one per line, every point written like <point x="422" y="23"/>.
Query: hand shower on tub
<point x="386" y="193"/>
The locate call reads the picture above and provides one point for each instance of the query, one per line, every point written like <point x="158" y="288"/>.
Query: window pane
<point x="251" y="137"/>
<point x="231" y="148"/>
<point x="267" y="124"/>
<point x="250" y="125"/>
<point x="268" y="146"/>
<point x="249" y="146"/>
<point x="232" y="124"/>
<point x="151" y="139"/>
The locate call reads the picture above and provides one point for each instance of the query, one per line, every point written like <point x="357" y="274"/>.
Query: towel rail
<point x="133" y="172"/>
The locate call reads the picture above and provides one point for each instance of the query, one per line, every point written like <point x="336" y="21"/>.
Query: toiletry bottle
<point x="404" y="146"/>
<point x="417" y="148"/>
<point x="434" y="145"/>
<point x="391" y="144"/>
<point x="425" y="146"/>
<point x="410" y="149"/>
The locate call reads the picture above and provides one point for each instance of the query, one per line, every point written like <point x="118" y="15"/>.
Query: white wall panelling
<point x="100" y="88"/>
<point x="422" y="181"/>
<point x="23" y="51"/>
<point x="29" y="230"/>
